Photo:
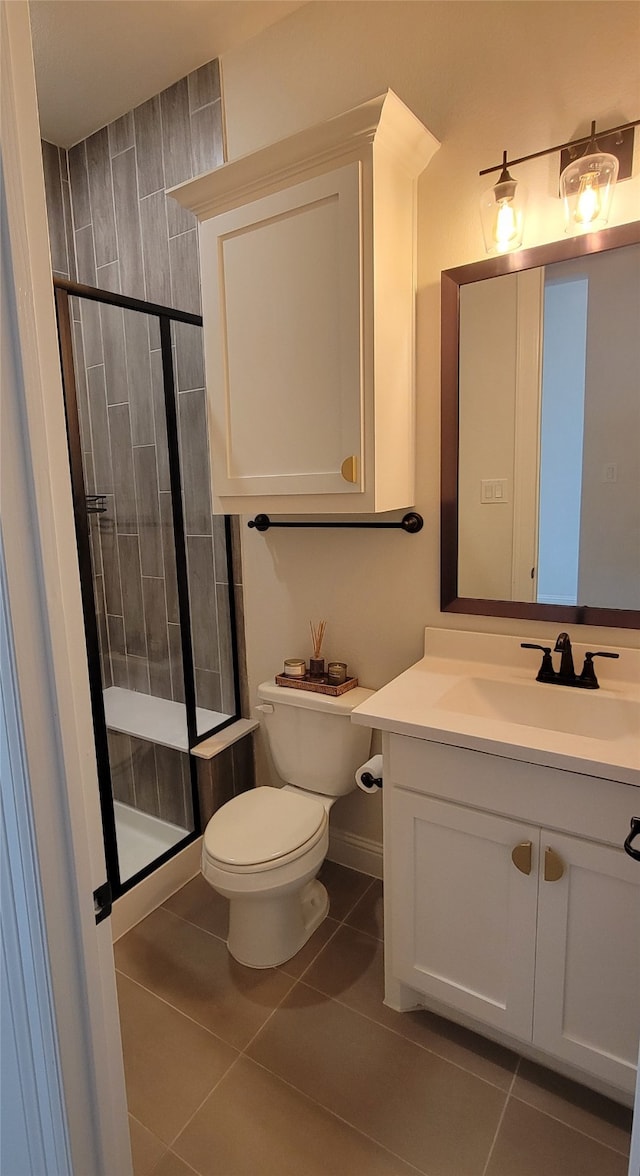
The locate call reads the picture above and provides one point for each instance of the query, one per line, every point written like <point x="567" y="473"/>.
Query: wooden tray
<point x="318" y="685"/>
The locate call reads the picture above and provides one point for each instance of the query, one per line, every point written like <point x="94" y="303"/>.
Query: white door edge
<point x="59" y="783"/>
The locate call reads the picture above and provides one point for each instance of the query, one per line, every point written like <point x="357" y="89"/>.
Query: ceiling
<point x="97" y="59"/>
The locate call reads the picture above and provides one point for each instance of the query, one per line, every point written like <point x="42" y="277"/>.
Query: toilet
<point x="263" y="849"/>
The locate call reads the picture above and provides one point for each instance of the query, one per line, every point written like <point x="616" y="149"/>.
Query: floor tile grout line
<point x="357" y="900"/>
<point x="358" y="1130"/>
<point x="571" y="1126"/>
<point x="359" y="931"/>
<point x="257" y="1033"/>
<point x="501" y="1119"/>
<point x="318" y="953"/>
<point x="410" y="1040"/>
<point x="181" y="1012"/>
<point x="201" y="1104"/>
<point x="170" y="1152"/>
<point x="190" y="922"/>
<point x="239" y="1049"/>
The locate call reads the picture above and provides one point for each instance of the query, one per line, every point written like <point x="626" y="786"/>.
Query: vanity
<point x="510" y="905"/>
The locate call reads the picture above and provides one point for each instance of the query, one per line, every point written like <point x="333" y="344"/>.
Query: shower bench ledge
<point x="159" y="720"/>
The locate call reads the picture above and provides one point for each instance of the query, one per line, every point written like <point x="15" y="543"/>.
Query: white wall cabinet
<point x="525" y="928"/>
<point x="307" y="255"/>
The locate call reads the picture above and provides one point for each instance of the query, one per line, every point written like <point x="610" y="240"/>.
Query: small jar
<point x="294" y="667"/>
<point x="316" y="667"/>
<point x="337" y="673"/>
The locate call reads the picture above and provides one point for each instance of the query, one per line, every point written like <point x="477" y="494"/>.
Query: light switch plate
<point x="493" y="491"/>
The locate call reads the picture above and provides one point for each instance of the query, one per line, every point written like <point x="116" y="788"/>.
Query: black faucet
<point x="566" y="675"/>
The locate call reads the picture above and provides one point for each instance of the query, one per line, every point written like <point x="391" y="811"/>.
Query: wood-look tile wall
<point x="112" y="225"/>
<point x="151" y="778"/>
<point x="225" y="776"/>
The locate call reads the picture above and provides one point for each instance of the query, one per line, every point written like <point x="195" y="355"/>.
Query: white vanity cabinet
<point x="511" y="902"/>
<point x="307" y="255"/>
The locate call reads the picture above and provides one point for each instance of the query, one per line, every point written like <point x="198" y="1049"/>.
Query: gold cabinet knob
<point x="349" y="469"/>
<point x="521" y="856"/>
<point x="553" y="865"/>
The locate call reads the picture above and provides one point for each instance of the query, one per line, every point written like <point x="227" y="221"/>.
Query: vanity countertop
<point x="478" y="691"/>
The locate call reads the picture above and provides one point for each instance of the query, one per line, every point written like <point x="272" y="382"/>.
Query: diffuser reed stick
<point x="317" y="636"/>
<point x="316" y="663"/>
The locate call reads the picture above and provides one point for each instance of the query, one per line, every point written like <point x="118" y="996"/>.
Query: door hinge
<point x="102" y="902"/>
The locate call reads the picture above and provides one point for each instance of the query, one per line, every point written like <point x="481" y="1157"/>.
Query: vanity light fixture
<point x="586" y="186"/>
<point x="502" y="210"/>
<point x="588" y="176"/>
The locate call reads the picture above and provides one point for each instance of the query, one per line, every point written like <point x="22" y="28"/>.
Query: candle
<point x="295" y="667"/>
<point x="337" y="673"/>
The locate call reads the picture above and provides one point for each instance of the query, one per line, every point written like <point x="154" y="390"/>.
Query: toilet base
<point x="265" y="932"/>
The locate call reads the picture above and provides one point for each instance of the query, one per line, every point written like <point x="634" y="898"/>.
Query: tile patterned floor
<point x="302" y="1071"/>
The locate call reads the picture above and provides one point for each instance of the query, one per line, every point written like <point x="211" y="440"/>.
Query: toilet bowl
<point x="263" y="849"/>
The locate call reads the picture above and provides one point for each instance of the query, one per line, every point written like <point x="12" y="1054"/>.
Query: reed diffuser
<point x="316" y="663"/>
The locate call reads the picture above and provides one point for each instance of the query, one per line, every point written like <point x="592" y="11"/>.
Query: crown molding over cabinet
<point x="307" y="252"/>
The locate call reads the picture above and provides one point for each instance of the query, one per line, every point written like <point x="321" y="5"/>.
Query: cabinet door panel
<point x="587" y="1007"/>
<point x="282" y="297"/>
<point x="470" y="940"/>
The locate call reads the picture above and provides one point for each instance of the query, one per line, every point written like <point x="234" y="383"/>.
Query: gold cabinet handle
<point x="349" y="469"/>
<point x="521" y="856"/>
<point x="553" y="865"/>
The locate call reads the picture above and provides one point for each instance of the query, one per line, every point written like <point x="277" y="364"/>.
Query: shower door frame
<point x="63" y="290"/>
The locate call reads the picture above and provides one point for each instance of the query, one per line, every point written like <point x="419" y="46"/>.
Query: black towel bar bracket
<point x="411" y="523"/>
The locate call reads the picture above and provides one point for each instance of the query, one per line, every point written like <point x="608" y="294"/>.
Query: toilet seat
<point x="263" y="829"/>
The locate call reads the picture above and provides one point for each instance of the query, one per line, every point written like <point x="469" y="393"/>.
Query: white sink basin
<point x="478" y="691"/>
<point x="551" y="708"/>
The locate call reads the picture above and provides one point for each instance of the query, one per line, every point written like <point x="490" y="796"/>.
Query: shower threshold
<point x="142" y="838"/>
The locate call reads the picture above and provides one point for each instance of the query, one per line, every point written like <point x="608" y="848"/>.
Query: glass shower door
<point x="120" y="408"/>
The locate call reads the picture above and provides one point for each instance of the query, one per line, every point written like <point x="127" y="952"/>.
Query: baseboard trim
<point x="359" y="853"/>
<point x="142" y="899"/>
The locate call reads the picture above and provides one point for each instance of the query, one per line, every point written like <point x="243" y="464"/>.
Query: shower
<point x="155" y="567"/>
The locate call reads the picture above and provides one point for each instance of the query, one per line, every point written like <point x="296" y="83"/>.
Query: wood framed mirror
<point x="540" y="443"/>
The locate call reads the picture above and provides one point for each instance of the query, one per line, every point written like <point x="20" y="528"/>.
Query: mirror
<point x="540" y="515"/>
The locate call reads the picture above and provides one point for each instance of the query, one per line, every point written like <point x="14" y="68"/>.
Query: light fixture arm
<point x="585" y="139"/>
<point x="506" y="185"/>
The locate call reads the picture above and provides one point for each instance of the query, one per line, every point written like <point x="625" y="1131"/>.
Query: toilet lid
<point x="262" y="825"/>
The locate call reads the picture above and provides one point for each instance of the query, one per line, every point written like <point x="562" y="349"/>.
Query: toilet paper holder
<point x="369" y="774"/>
<point x="371" y="781"/>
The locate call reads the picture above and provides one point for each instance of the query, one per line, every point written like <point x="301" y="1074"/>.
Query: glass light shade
<point x="586" y="188"/>
<point x="502" y="210"/>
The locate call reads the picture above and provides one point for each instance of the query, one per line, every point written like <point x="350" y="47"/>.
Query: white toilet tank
<point x="313" y="742"/>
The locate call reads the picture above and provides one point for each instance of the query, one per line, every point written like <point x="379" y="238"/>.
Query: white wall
<point x="482" y="77"/>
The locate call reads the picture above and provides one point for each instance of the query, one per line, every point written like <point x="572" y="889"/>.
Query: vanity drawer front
<point x="585" y="805"/>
